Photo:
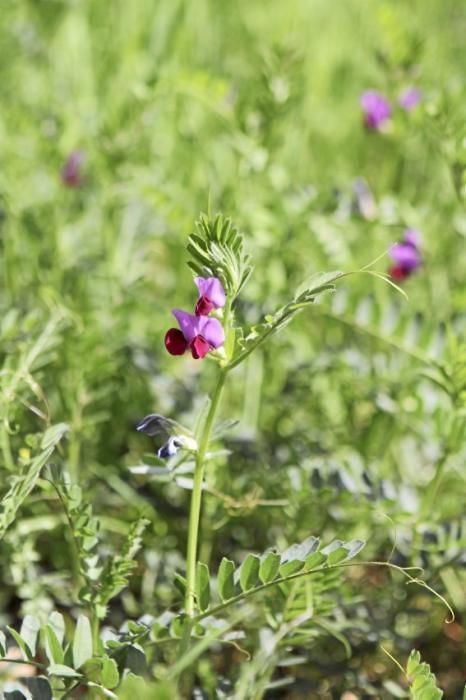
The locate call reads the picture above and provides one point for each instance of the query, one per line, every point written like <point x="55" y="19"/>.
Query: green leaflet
<point x="53" y="648"/>
<point x="216" y="250"/>
<point x="82" y="642"/>
<point x="57" y="623"/>
<point x="29" y="631"/>
<point x="423" y="684"/>
<point x="269" y="566"/>
<point x="20" y="642"/>
<point x="180" y="583"/>
<point x="63" y="671"/>
<point x="225" y="580"/>
<point x="202" y="586"/>
<point x="110" y="675"/>
<point x="249" y="572"/>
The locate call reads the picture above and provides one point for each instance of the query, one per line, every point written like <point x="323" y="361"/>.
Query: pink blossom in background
<point x="410" y="98"/>
<point x="406" y="256"/>
<point x="376" y="108"/>
<point x="71" y="173"/>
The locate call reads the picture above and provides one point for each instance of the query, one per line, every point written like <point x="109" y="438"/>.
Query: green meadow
<point x="302" y="533"/>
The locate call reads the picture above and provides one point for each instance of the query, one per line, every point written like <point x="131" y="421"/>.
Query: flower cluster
<point x="378" y="110"/>
<point x="199" y="332"/>
<point x="406" y="256"/>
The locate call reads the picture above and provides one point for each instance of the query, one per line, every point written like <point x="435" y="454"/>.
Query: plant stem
<point x="6" y="660"/>
<point x="95" y="628"/>
<point x="216" y="609"/>
<point x="432" y="487"/>
<point x="6" y="448"/>
<point x="196" y="497"/>
<point x="74" y="549"/>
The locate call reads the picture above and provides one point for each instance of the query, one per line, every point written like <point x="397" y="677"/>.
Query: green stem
<point x="6" y="448"/>
<point x="78" y="578"/>
<point x="196" y="497"/>
<point x="6" y="660"/>
<point x="95" y="628"/>
<point x="432" y="488"/>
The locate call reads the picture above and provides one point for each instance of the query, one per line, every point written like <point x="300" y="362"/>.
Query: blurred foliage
<point x="351" y="422"/>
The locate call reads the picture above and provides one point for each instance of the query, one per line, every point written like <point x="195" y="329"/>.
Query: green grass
<point x="354" y="415"/>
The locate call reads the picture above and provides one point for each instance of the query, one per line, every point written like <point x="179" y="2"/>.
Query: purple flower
<point x="71" y="173"/>
<point x="211" y="295"/>
<point x="406" y="256"/>
<point x="412" y="237"/>
<point x="409" y="98"/>
<point x="200" y="334"/>
<point x="376" y="109"/>
<point x="170" y="448"/>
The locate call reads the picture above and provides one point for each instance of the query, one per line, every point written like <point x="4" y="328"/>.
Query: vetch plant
<point x="348" y="426"/>
<point x="300" y="585"/>
<point x="217" y="254"/>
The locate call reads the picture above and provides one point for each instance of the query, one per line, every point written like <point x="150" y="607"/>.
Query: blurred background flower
<point x="410" y="98"/>
<point x="376" y="108"/>
<point x="406" y="256"/>
<point x="72" y="171"/>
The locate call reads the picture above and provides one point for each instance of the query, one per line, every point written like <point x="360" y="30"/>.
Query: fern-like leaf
<point x="23" y="484"/>
<point x="216" y="250"/>
<point x="422" y="682"/>
<point x="305" y="295"/>
<point x="118" y="570"/>
<point x="102" y="580"/>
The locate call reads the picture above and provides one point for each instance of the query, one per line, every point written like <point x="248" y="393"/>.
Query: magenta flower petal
<point x="412" y="237"/>
<point x="398" y="274"/>
<point x="212" y="330"/>
<point x="405" y="256"/>
<point x="409" y="98"/>
<point x="201" y="333"/>
<point x="188" y="323"/>
<point x="203" y="307"/>
<point x="376" y="109"/>
<point x="199" y="347"/>
<point x="212" y="289"/>
<point x="175" y="342"/>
